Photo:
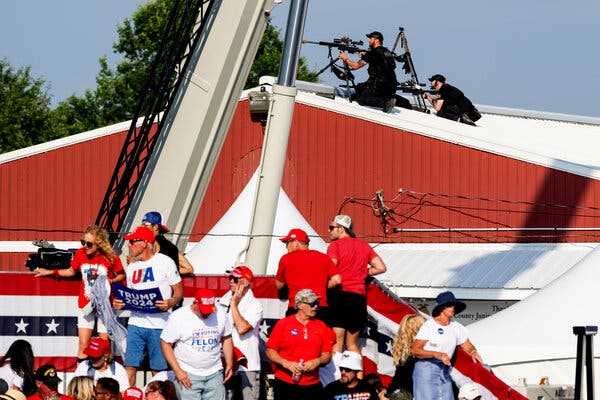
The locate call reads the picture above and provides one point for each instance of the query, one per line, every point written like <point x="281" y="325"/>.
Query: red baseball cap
<point x="295" y="234"/>
<point x="205" y="300"/>
<point x="241" y="271"/>
<point x="97" y="347"/>
<point x="133" y="393"/>
<point x="141" y="233"/>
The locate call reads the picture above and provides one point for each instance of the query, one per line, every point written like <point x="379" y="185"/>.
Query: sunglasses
<point x="313" y="304"/>
<point x="234" y="279"/>
<point x="332" y="227"/>
<point x="134" y="241"/>
<point x="87" y="244"/>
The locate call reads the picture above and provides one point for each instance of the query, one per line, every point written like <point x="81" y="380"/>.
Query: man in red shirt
<point x="356" y="261"/>
<point x="297" y="347"/>
<point x="302" y="268"/>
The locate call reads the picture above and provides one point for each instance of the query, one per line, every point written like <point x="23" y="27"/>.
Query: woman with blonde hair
<point x="402" y="356"/>
<point x="81" y="388"/>
<point x="95" y="257"/>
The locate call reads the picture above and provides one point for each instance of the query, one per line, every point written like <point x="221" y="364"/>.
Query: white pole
<point x="275" y="143"/>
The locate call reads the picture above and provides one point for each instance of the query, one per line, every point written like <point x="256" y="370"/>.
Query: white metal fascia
<point x="534" y="114"/>
<point x="66" y="141"/>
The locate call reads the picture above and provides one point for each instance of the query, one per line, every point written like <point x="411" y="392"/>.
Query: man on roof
<point x="379" y="89"/>
<point x="451" y="103"/>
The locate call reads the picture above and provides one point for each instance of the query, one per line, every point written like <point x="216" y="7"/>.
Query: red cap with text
<point x="97" y="347"/>
<point x="205" y="300"/>
<point x="133" y="393"/>
<point x="141" y="233"/>
<point x="295" y="234"/>
<point x="241" y="271"/>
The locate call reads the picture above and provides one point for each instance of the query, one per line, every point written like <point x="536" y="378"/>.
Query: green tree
<point x="268" y="58"/>
<point x="24" y="108"/>
<point x="116" y="95"/>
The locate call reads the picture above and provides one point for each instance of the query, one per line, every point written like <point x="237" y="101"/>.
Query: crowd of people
<point x="211" y="348"/>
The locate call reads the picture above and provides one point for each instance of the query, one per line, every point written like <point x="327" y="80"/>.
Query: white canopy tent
<point x="533" y="338"/>
<point x="227" y="241"/>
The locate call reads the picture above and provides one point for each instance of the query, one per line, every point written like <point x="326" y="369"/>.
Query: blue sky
<point x="539" y="55"/>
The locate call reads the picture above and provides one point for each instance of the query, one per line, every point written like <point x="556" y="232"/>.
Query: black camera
<point x="49" y="257"/>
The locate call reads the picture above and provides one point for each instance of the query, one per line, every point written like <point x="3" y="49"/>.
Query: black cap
<point x="375" y="35"/>
<point x="47" y="374"/>
<point x="438" y="77"/>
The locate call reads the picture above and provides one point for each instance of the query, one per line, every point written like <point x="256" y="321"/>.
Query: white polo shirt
<point x="252" y="311"/>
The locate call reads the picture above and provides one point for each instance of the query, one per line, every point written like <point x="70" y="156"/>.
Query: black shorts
<point x="287" y="391"/>
<point x="347" y="310"/>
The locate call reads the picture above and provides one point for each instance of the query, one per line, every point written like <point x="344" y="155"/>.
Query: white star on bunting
<point x="21" y="326"/>
<point x="388" y="346"/>
<point x="52" y="326"/>
<point x="264" y="328"/>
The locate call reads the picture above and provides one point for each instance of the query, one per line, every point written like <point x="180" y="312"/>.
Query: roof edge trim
<point x="66" y="141"/>
<point x="534" y="114"/>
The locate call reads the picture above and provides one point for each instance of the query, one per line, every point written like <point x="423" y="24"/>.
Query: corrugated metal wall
<point x="54" y="195"/>
<point x="332" y="157"/>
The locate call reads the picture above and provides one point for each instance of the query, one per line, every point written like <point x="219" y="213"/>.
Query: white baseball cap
<point x="346" y="222"/>
<point x="351" y="360"/>
<point x="470" y="391"/>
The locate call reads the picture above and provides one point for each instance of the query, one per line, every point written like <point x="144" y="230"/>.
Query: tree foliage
<point x="24" y="108"/>
<point x="25" y="117"/>
<point x="138" y="38"/>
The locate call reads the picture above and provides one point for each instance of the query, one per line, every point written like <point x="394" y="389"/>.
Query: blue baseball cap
<point x="154" y="218"/>
<point x="447" y="299"/>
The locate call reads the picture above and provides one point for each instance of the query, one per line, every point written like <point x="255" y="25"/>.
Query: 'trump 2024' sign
<point x="138" y="300"/>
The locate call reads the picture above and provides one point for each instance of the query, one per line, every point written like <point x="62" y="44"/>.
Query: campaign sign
<point x="138" y="300"/>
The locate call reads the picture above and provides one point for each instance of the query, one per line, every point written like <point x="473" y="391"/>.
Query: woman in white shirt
<point x="434" y="346"/>
<point x="16" y="367"/>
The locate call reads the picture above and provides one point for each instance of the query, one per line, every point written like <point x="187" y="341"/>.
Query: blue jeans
<point x="431" y="381"/>
<point x="138" y="340"/>
<point x="208" y="387"/>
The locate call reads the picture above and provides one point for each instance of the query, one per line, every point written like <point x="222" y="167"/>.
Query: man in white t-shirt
<point x="245" y="313"/>
<point x="191" y="343"/>
<point x="100" y="364"/>
<point x="149" y="270"/>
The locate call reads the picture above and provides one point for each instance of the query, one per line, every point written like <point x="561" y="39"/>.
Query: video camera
<point x="49" y="257"/>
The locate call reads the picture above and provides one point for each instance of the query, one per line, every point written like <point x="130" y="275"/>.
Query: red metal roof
<point x="331" y="156"/>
